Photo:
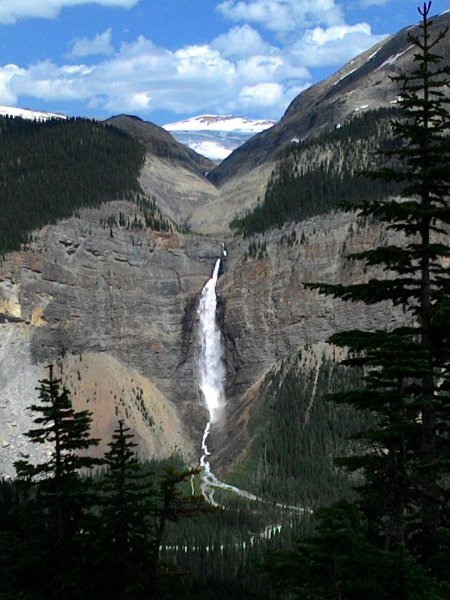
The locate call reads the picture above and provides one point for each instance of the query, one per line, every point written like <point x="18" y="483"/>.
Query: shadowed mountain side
<point x="363" y="83"/>
<point x="160" y="143"/>
<point x="178" y="190"/>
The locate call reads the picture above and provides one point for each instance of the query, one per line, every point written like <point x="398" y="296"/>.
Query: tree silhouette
<point x="405" y="457"/>
<point x="57" y="493"/>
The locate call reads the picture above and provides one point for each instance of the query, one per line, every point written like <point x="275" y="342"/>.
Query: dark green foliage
<point x="391" y="542"/>
<point x="339" y="562"/>
<point x="334" y="159"/>
<point x="405" y="495"/>
<point x="153" y="216"/>
<point x="394" y="364"/>
<point x="54" y="497"/>
<point x="50" y="169"/>
<point x="65" y="537"/>
<point x="221" y="550"/>
<point x="295" y="432"/>
<point x="126" y="499"/>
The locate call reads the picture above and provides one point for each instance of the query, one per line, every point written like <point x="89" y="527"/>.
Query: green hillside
<point x="50" y="169"/>
<point x="296" y="434"/>
<point x="315" y="176"/>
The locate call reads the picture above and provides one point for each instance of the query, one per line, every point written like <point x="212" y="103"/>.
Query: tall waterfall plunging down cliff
<point x="211" y="373"/>
<point x="211" y="368"/>
<point x="211" y="380"/>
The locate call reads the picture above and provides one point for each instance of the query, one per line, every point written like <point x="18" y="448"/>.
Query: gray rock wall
<point x="85" y="288"/>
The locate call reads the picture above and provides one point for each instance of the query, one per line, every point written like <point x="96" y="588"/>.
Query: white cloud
<point x="202" y="63"/>
<point x="7" y="96"/>
<point x="238" y="71"/>
<point x="101" y="44"/>
<point x="14" y="10"/>
<point x="240" y="41"/>
<point x="262" y="94"/>
<point x="334" y="46"/>
<point x="283" y="15"/>
<point x="142" y="77"/>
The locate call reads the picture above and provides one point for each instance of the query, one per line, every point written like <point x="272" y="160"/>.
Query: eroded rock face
<point x="267" y="313"/>
<point x="84" y="289"/>
<point x="117" y="311"/>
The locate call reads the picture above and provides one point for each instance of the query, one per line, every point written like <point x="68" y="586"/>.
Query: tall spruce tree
<point x="134" y="513"/>
<point x="406" y="455"/>
<point x="127" y="501"/>
<point x="56" y="495"/>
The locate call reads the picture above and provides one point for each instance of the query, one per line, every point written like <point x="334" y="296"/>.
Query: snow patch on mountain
<point x="219" y="123"/>
<point x="215" y="136"/>
<point x="211" y="149"/>
<point x="31" y="115"/>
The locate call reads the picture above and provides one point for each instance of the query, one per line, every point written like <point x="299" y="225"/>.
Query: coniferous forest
<point x="50" y="169"/>
<point x="334" y="173"/>
<point x="351" y="463"/>
<point x="392" y="540"/>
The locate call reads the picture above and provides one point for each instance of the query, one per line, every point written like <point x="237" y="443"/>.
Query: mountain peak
<point x="29" y="114"/>
<point x="220" y="123"/>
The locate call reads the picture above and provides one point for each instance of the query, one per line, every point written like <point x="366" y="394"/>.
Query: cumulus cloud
<point x="283" y="15"/>
<point x="7" y="73"/>
<point x="142" y="77"/>
<point x="262" y="94"/>
<point x="101" y="44"/>
<point x="14" y="10"/>
<point x="321" y="47"/>
<point x="238" y="71"/>
<point x="241" y="41"/>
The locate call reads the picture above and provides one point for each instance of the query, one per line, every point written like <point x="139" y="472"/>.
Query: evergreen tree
<point x="127" y="509"/>
<point x="55" y="495"/>
<point x="134" y="513"/>
<point x="172" y="505"/>
<point x="339" y="562"/>
<point x="49" y="170"/>
<point x="405" y="461"/>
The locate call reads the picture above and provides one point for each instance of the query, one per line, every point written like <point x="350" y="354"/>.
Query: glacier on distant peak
<point x="216" y="136"/>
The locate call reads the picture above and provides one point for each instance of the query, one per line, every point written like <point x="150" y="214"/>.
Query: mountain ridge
<point x="160" y="142"/>
<point x="134" y="289"/>
<point x="360" y="84"/>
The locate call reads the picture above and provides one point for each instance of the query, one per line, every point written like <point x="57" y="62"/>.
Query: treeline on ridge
<point x="50" y="169"/>
<point x="314" y="176"/>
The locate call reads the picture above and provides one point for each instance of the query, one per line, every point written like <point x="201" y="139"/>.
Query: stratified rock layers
<point x="116" y="310"/>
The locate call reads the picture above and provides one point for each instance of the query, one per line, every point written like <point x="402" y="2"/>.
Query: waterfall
<point x="211" y="368"/>
<point x="211" y="374"/>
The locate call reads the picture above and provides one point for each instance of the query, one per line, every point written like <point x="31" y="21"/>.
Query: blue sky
<point x="164" y="60"/>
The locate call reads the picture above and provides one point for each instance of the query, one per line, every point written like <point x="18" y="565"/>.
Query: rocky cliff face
<point x="268" y="314"/>
<point x="116" y="311"/>
<point x="118" y="303"/>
